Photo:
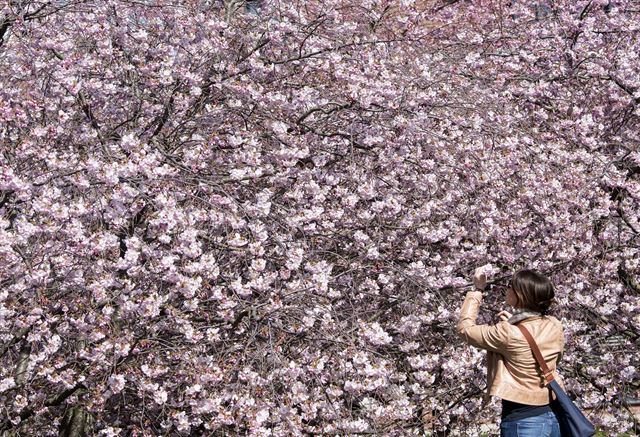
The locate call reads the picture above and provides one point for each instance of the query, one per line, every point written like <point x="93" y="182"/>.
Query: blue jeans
<point x="544" y="425"/>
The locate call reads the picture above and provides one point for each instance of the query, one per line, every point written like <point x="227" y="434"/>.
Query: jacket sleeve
<point x="561" y="345"/>
<point x="493" y="338"/>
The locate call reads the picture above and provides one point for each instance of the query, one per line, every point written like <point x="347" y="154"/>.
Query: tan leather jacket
<point x="512" y="371"/>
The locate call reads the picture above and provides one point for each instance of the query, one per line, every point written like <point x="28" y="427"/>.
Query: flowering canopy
<point x="260" y="219"/>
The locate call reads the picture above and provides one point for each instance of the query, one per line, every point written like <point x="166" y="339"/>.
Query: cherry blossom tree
<point x="261" y="218"/>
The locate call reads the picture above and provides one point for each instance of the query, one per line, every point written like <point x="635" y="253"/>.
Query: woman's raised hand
<point x="504" y="315"/>
<point x="480" y="278"/>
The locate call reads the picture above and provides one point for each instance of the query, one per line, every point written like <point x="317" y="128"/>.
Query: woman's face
<point x="511" y="297"/>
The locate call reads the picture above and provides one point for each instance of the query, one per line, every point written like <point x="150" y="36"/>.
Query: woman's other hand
<point x="480" y="278"/>
<point x="504" y="315"/>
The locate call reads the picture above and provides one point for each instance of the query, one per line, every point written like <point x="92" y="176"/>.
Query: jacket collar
<point x="521" y="314"/>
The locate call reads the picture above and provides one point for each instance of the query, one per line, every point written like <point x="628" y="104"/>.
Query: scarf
<point x="521" y="314"/>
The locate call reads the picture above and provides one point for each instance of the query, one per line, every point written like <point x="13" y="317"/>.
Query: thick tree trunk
<point x="77" y="422"/>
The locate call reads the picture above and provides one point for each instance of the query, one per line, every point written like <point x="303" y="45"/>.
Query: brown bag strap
<point x="546" y="373"/>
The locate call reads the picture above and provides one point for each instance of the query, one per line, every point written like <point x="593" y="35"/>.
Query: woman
<point x="512" y="372"/>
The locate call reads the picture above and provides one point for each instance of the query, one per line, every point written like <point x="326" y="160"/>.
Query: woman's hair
<point x="533" y="290"/>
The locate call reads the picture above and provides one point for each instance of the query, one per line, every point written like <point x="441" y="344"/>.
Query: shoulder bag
<point x="572" y="422"/>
